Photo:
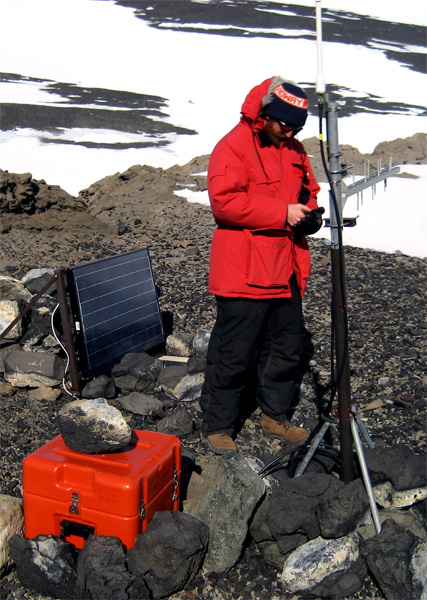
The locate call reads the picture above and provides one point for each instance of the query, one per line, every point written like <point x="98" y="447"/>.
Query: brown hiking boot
<point x="283" y="430"/>
<point x="221" y="443"/>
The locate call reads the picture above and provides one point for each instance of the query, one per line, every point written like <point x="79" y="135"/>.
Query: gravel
<point x="386" y="316"/>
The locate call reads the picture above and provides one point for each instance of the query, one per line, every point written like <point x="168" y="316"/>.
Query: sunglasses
<point x="287" y="128"/>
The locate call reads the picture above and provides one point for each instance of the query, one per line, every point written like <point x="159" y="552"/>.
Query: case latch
<point x="175" y="481"/>
<point x="142" y="509"/>
<point x="74" y="508"/>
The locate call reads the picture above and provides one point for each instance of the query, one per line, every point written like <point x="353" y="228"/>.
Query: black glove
<point x="311" y="223"/>
<point x="304" y="196"/>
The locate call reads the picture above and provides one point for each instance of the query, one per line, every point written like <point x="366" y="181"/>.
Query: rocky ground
<point x="41" y="226"/>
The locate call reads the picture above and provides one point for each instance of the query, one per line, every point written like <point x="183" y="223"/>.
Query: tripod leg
<point x="315" y="444"/>
<point x="365" y="474"/>
<point x="363" y="431"/>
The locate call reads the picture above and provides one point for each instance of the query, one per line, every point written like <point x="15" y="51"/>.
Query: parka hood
<point x="252" y="105"/>
<point x="258" y="97"/>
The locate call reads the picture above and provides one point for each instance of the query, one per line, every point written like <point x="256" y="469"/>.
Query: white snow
<point x="206" y="77"/>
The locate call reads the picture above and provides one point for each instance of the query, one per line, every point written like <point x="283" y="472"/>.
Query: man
<point x="260" y="186"/>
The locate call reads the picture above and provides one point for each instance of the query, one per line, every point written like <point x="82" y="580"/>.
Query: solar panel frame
<point x="116" y="309"/>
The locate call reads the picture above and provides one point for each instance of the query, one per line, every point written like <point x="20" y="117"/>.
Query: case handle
<point x="73" y="528"/>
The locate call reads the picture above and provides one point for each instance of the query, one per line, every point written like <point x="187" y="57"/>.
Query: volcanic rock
<point x="93" y="426"/>
<point x="11" y="523"/>
<point x="178" y="384"/>
<point x="46" y="565"/>
<point x="102" y="572"/>
<point x="201" y="342"/>
<point x="389" y="556"/>
<point x="99" y="387"/>
<point x="33" y="369"/>
<point x="399" y="465"/>
<point x="139" y="364"/>
<point x="180" y="344"/>
<point x="225" y="499"/>
<point x="319" y="559"/>
<point x="338" y="514"/>
<point x="169" y="553"/>
<point x="9" y="311"/>
<point x="13" y="289"/>
<point x="180" y="423"/>
<point x="141" y="404"/>
<point x="36" y="279"/>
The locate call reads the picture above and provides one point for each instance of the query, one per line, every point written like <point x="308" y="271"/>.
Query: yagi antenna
<point x="320" y="81"/>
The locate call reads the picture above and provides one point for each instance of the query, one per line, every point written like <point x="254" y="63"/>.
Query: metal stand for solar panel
<point x="31" y="303"/>
<point x="59" y="279"/>
<point x="75" y="375"/>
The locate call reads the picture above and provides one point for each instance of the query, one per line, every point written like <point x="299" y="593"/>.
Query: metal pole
<point x="28" y="306"/>
<point x="361" y="425"/>
<point x="365" y="473"/>
<point x="315" y="444"/>
<point x="67" y="331"/>
<point x="339" y="301"/>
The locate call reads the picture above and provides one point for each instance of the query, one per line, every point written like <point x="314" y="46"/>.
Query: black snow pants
<point x="272" y="329"/>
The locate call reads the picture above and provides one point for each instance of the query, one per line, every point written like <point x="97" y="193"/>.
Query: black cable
<point x="292" y="462"/>
<point x="331" y="453"/>
<point x="335" y="382"/>
<point x="280" y="462"/>
<point x="277" y="461"/>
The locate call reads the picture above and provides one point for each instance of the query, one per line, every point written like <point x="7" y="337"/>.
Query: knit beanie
<point x="286" y="102"/>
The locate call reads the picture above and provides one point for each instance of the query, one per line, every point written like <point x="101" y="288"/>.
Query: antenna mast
<point x="339" y="301"/>
<point x="335" y="172"/>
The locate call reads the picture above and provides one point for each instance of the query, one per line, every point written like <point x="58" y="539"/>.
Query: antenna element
<point x="320" y="81"/>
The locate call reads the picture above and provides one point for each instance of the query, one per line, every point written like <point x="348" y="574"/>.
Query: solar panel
<point x="116" y="309"/>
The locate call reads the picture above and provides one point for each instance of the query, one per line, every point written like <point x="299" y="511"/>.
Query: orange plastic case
<point x="71" y="495"/>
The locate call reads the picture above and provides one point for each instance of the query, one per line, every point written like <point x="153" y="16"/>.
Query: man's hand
<point x="296" y="212"/>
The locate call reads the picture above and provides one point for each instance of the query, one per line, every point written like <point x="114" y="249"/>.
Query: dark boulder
<point x="388" y="555"/>
<point x="179" y="423"/>
<point x="292" y="505"/>
<point x="342" y="585"/>
<point x="169" y="553"/>
<point x="100" y="387"/>
<point x="46" y="565"/>
<point x="397" y="464"/>
<point x="102" y="572"/>
<point x="340" y="514"/>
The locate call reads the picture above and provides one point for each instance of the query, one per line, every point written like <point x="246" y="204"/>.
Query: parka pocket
<point x="269" y="257"/>
<point x="300" y="173"/>
<point x="264" y="177"/>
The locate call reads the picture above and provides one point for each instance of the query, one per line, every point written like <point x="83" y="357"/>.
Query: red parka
<point x="254" y="252"/>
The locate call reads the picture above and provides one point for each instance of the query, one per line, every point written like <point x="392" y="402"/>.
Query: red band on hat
<point x="290" y="98"/>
